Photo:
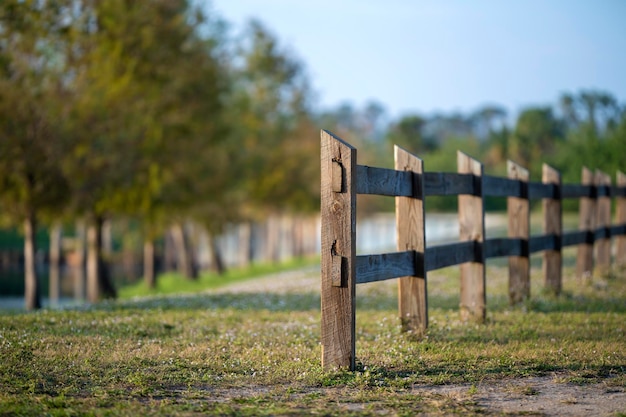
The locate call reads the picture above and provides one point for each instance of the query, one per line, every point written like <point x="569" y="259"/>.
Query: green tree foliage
<point x="407" y="133"/>
<point x="269" y="113"/>
<point x="31" y="183"/>
<point x="596" y="134"/>
<point x="537" y="132"/>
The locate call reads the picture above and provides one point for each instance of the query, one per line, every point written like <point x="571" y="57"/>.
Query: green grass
<point x="259" y="354"/>
<point x="174" y="283"/>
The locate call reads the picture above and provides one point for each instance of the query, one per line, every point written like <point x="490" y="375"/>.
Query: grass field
<point x="255" y="351"/>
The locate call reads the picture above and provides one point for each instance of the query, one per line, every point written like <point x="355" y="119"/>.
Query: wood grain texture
<point x="586" y="222"/>
<point x="384" y="266"/>
<point x="442" y="256"/>
<point x="578" y="190"/>
<point x="552" y="225"/>
<point x="472" y="228"/>
<point x="383" y="181"/>
<point x="447" y="183"/>
<point x="508" y="246"/>
<point x="338" y="239"/>
<point x="620" y="219"/>
<point x="518" y="212"/>
<point x="545" y="242"/>
<point x="505" y="187"/>
<point x="538" y="190"/>
<point x="411" y="236"/>
<point x="603" y="221"/>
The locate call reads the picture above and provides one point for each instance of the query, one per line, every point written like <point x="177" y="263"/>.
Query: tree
<point x="408" y="133"/>
<point x="141" y="116"/>
<point x="534" y="139"/>
<point x="592" y="110"/>
<point x="270" y="106"/>
<point x="31" y="183"/>
<point x="488" y="120"/>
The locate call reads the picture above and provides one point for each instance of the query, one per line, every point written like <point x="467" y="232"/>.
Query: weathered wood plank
<point x="586" y="222"/>
<point x="384" y="266"/>
<point x="472" y="227"/>
<point x="338" y="247"/>
<point x="603" y="222"/>
<point x="539" y="190"/>
<point x="601" y="233"/>
<point x="603" y="189"/>
<point x="448" y="183"/>
<point x="575" y="238"/>
<point x="411" y="235"/>
<point x="505" y="246"/>
<point x="552" y="225"/>
<point x="442" y="256"/>
<point x="618" y="190"/>
<point x="383" y="181"/>
<point x="620" y="219"/>
<point x="618" y="231"/>
<point x="586" y="190"/>
<point x="504" y="187"/>
<point x="518" y="213"/>
<point x="543" y="243"/>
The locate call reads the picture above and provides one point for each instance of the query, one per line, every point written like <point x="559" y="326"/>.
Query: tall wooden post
<point x="603" y="220"/>
<point x="584" y="260"/>
<point x="472" y="227"/>
<point x="412" y="295"/>
<point x="552" y="225"/>
<point x="518" y="212"/>
<point x="620" y="219"/>
<point x="338" y="252"/>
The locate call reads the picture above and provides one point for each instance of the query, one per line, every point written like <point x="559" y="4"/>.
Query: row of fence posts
<point x="341" y="269"/>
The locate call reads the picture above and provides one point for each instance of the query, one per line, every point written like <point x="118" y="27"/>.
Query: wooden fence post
<point x="603" y="220"/>
<point x="552" y="225"/>
<point x="472" y="228"/>
<point x="584" y="260"/>
<point x="338" y="252"/>
<point x="412" y="295"/>
<point x="620" y="249"/>
<point x="518" y="212"/>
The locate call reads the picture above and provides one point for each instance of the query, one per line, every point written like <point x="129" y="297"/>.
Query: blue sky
<point x="447" y="55"/>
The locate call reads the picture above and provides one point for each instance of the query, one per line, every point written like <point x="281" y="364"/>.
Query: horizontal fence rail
<point x="342" y="269"/>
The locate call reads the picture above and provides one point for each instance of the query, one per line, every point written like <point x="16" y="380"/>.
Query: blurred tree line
<point x="587" y="128"/>
<point x="151" y="110"/>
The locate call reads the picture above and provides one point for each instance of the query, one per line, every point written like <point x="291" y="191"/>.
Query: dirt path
<point x="541" y="396"/>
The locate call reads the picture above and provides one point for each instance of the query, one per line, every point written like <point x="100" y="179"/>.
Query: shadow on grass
<point x="237" y="301"/>
<point x="379" y="302"/>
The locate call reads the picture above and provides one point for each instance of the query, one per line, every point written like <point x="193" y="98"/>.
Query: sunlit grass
<point x="258" y="353"/>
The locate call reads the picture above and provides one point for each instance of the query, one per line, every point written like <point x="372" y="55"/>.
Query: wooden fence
<point x="341" y="269"/>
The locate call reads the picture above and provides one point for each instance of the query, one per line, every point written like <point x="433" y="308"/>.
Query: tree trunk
<point x="245" y="244"/>
<point x="272" y="241"/>
<point x="99" y="283"/>
<point x="148" y="263"/>
<point x="297" y="239"/>
<point x="184" y="256"/>
<point x="169" y="252"/>
<point x="79" y="262"/>
<point x="55" y="260"/>
<point x="32" y="294"/>
<point x="217" y="261"/>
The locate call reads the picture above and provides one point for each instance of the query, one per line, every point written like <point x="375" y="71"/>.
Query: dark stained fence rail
<point x="342" y="269"/>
